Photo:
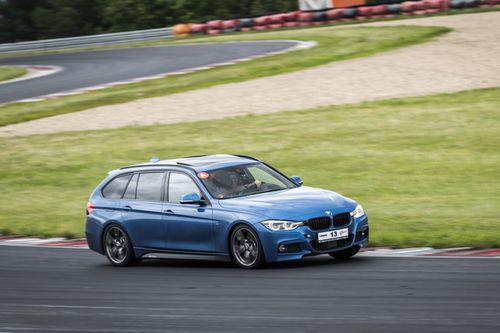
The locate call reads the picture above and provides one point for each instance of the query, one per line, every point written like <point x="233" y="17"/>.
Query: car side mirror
<point x="192" y="199"/>
<point x="297" y="180"/>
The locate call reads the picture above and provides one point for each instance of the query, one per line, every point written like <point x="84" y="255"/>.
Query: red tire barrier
<point x="365" y="11"/>
<point x="260" y="27"/>
<point x="379" y="10"/>
<point x="291" y="16"/>
<point x="262" y="21"/>
<point x="291" y="24"/>
<point x="230" y="24"/>
<point x="277" y="19"/>
<point x="198" y="28"/>
<point x="305" y="17"/>
<point x="215" y="24"/>
<point x="245" y="29"/>
<point x="213" y="31"/>
<point x="334" y="14"/>
<point x="275" y="26"/>
<point x="407" y="6"/>
<point x="419" y="5"/>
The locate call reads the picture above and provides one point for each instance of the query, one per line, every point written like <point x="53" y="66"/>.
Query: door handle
<point x="168" y="211"/>
<point x="127" y="207"/>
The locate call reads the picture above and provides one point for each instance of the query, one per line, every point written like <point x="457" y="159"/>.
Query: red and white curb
<point x="35" y="71"/>
<point x="299" y="45"/>
<point x="425" y="252"/>
<point x="58" y="242"/>
<point x="457" y="252"/>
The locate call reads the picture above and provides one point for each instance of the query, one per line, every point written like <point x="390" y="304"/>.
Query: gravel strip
<point x="467" y="58"/>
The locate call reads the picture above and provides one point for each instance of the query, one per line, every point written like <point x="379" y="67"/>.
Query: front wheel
<point x="345" y="254"/>
<point x="118" y="247"/>
<point x="245" y="247"/>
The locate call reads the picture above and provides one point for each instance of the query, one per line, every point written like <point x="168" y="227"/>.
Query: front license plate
<point x="333" y="235"/>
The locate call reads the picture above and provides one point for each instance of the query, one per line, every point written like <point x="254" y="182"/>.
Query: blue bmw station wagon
<point x="229" y="205"/>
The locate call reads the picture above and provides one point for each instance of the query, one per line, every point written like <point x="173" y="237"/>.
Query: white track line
<point x="34" y="71"/>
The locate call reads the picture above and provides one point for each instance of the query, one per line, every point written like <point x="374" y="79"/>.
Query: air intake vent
<point x="341" y="220"/>
<point x="319" y="223"/>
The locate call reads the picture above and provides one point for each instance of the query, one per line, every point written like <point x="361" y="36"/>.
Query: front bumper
<point x="303" y="241"/>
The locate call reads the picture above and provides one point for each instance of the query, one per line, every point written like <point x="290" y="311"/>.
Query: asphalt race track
<point x="74" y="290"/>
<point x="87" y="69"/>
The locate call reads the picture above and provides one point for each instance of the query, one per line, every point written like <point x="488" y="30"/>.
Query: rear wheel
<point x="245" y="247"/>
<point x="118" y="247"/>
<point x="345" y="254"/>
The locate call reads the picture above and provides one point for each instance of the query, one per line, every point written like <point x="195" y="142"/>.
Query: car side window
<point x="115" y="188"/>
<point x="179" y="185"/>
<point x="132" y="185"/>
<point x="149" y="186"/>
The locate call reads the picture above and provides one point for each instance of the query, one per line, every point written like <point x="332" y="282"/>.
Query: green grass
<point x="9" y="73"/>
<point x="333" y="45"/>
<point x="425" y="169"/>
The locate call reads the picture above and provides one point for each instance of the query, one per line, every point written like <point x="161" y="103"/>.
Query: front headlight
<point x="358" y="212"/>
<point x="276" y="225"/>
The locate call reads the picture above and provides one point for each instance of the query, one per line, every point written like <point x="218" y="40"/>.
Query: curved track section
<point x="74" y="290"/>
<point x="89" y="69"/>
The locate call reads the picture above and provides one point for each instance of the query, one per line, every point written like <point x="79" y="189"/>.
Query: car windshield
<point x="243" y="180"/>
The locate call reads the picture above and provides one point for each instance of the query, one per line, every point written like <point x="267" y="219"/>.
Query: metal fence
<point x="85" y="41"/>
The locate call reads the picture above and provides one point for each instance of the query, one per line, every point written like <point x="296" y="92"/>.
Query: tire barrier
<point x="246" y="23"/>
<point x="230" y="24"/>
<point x="214" y="25"/>
<point x="394" y="8"/>
<point x="199" y="28"/>
<point x="334" y="14"/>
<point x="490" y="2"/>
<point x="181" y="30"/>
<point x="319" y="16"/>
<point x="379" y="10"/>
<point x="349" y="13"/>
<point x="372" y="9"/>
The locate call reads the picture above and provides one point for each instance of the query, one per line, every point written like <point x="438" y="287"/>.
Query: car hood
<point x="298" y="203"/>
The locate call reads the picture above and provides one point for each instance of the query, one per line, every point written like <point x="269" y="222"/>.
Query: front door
<point x="189" y="227"/>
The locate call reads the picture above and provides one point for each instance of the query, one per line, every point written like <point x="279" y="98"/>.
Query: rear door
<point x="142" y="207"/>
<point x="189" y="227"/>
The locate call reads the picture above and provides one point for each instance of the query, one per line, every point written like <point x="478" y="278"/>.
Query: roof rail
<point x="194" y="156"/>
<point x="246" y="156"/>
<point x="185" y="164"/>
<point x="156" y="165"/>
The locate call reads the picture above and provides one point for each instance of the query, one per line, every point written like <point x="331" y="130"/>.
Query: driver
<point x="229" y="183"/>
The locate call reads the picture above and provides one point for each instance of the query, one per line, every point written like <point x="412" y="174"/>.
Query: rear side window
<point x="115" y="188"/>
<point x="132" y="185"/>
<point x="149" y="187"/>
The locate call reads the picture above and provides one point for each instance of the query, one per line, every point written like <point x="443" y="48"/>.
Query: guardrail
<point x="91" y="40"/>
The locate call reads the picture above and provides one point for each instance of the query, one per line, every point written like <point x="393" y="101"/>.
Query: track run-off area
<point x="464" y="59"/>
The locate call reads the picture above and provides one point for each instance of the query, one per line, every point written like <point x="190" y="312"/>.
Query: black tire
<point x="345" y="254"/>
<point x="118" y="247"/>
<point x="245" y="247"/>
